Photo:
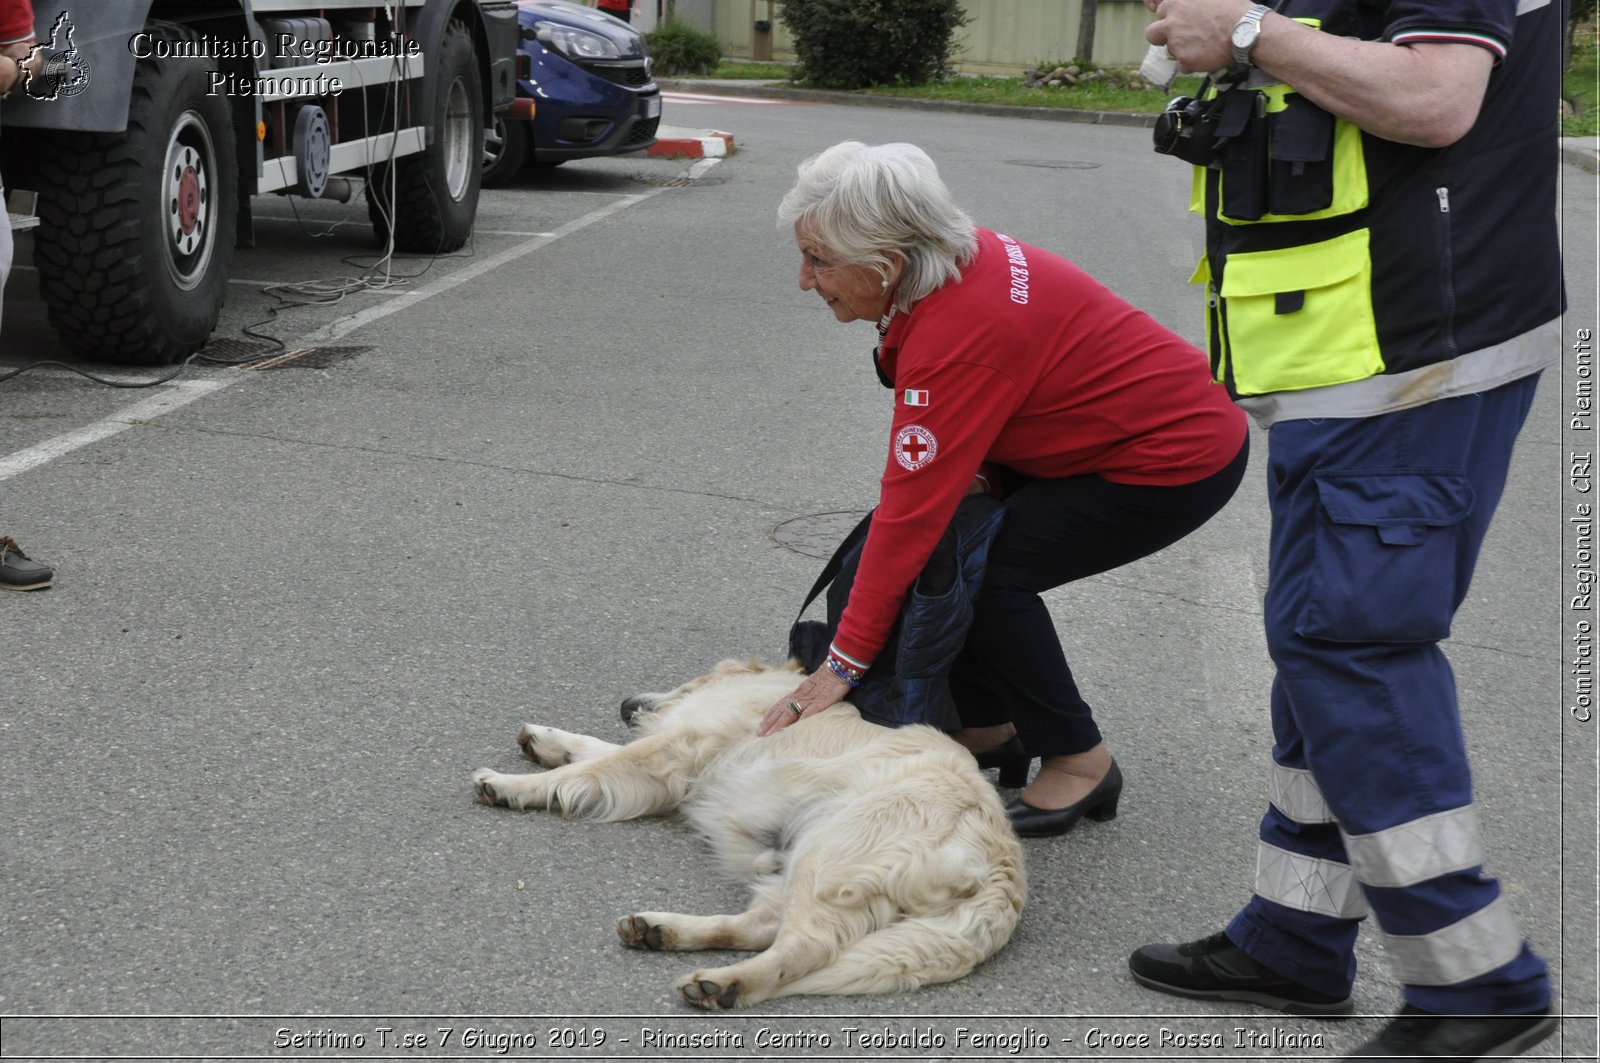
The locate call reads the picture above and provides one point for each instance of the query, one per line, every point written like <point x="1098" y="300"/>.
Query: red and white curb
<point x="677" y="142"/>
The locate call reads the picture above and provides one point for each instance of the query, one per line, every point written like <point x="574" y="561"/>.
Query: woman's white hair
<point x="865" y="203"/>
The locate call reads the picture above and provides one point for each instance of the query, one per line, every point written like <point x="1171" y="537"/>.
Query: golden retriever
<point x="880" y="860"/>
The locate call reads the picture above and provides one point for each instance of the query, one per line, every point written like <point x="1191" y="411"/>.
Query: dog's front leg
<point x="642" y="778"/>
<point x="551" y="747"/>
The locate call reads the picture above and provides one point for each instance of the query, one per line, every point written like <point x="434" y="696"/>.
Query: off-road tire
<point x="134" y="255"/>
<point x="436" y="191"/>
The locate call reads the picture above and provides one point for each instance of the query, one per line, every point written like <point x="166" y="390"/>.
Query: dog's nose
<point x="634" y="706"/>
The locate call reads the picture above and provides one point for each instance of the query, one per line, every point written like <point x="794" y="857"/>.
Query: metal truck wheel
<point x="436" y="191"/>
<point x="505" y="151"/>
<point x="136" y="229"/>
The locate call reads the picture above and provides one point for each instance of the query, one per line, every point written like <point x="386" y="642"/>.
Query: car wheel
<point x="505" y="150"/>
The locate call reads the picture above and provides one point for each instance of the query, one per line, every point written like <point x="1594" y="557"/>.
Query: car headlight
<point x="577" y="44"/>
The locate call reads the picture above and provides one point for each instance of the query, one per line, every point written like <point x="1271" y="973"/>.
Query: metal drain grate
<point x="818" y="534"/>
<point x="237" y="351"/>
<point x="309" y="358"/>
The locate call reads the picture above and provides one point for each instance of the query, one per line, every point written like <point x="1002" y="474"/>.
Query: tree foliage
<point x="1581" y="23"/>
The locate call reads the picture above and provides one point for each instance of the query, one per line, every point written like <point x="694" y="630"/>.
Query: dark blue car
<point x="588" y="79"/>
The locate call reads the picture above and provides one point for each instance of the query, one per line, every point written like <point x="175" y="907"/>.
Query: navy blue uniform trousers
<point x="1376" y="527"/>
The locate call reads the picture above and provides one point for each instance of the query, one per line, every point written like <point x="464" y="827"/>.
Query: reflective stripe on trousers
<point x="1403" y="855"/>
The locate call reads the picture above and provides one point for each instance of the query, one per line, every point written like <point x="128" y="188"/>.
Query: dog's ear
<point x="730" y="666"/>
<point x="793" y="664"/>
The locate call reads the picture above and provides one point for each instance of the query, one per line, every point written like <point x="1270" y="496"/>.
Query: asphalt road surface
<point x="589" y="456"/>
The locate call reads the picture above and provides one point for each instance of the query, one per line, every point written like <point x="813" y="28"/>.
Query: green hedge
<point x="679" y="48"/>
<point x="851" y="44"/>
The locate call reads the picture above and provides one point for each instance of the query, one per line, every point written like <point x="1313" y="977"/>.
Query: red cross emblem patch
<point x="914" y="447"/>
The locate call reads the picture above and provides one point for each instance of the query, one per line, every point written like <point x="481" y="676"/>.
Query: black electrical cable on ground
<point x="179" y="368"/>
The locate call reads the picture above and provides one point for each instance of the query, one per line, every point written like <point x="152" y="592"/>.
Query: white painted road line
<point x="346" y="325"/>
<point x="701" y="167"/>
<point x="179" y="393"/>
<point x="182" y="392"/>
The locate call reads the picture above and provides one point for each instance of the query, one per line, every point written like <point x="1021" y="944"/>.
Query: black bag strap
<point x="835" y="563"/>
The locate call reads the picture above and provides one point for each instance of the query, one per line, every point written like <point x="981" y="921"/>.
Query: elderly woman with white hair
<point x="1013" y="373"/>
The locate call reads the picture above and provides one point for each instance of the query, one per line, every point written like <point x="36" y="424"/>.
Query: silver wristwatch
<point x="1245" y="34"/>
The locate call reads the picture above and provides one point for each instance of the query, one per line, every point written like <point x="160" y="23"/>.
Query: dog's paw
<point x="700" y="991"/>
<point x="543" y="746"/>
<point x="491" y="788"/>
<point x="637" y="932"/>
<point x="537" y="747"/>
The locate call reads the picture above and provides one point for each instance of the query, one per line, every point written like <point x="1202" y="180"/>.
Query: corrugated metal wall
<point x="1003" y="36"/>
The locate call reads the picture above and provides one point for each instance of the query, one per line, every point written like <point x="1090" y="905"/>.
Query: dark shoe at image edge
<point x="1417" y="1034"/>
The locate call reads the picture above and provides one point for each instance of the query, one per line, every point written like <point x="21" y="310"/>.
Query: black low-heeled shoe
<point x="1100" y="805"/>
<point x="1010" y="758"/>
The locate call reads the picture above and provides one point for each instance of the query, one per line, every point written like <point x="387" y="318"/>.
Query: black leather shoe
<point x="1100" y="805"/>
<point x="19" y="572"/>
<point x="1010" y="758"/>
<point x="1459" y="1038"/>
<point x="1216" y="969"/>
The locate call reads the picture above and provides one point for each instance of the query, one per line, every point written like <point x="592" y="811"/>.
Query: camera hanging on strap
<point x="1198" y="128"/>
<point x="1192" y="127"/>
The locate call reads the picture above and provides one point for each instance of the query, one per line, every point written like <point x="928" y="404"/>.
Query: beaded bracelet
<point x="849" y="675"/>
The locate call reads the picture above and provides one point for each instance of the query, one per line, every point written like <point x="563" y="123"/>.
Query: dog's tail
<point x="925" y="950"/>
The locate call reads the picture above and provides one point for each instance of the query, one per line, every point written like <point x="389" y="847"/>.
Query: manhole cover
<point x="1054" y="164"/>
<point x="662" y="181"/>
<point x="817" y="535"/>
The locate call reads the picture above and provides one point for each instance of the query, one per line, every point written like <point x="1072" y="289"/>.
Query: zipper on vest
<point x="1218" y="308"/>
<point x="1447" y="255"/>
<point x="1214" y="329"/>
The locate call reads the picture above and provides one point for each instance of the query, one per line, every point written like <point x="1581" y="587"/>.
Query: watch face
<point x="1244" y="34"/>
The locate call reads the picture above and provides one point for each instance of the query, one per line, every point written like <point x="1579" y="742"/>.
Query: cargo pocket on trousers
<point x="1387" y="546"/>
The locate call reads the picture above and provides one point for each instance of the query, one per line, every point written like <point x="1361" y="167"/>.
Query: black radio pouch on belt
<point x="1301" y="145"/>
<point x="1242" y="154"/>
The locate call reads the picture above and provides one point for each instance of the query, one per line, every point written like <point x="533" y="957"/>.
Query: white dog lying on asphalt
<point x="880" y="859"/>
